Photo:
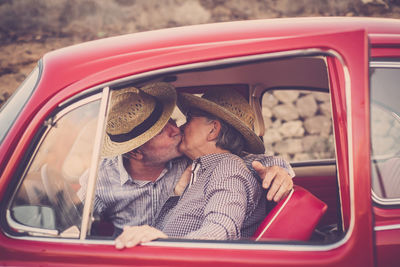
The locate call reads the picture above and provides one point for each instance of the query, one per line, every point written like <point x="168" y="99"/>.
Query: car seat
<point x="293" y="218"/>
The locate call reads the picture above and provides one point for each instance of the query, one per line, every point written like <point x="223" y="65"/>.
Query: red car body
<point x="371" y="230"/>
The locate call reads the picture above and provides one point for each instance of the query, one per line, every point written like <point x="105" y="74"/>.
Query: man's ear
<point x="214" y="131"/>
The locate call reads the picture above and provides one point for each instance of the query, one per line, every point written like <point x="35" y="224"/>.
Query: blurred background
<point x="30" y="28"/>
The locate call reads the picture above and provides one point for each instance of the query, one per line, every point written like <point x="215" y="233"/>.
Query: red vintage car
<point x="325" y="91"/>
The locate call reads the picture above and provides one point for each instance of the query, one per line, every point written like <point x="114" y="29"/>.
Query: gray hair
<point x="228" y="138"/>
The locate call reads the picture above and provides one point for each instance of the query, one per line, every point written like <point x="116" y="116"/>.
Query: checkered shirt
<point x="222" y="201"/>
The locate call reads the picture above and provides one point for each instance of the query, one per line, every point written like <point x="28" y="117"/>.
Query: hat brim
<point x="253" y="142"/>
<point x="166" y="94"/>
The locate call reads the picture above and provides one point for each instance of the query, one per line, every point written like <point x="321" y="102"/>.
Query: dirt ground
<point x="30" y="28"/>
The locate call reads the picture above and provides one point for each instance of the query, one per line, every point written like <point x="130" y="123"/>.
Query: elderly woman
<point x="223" y="200"/>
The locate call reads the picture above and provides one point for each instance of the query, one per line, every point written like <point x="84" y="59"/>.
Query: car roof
<point x="68" y="65"/>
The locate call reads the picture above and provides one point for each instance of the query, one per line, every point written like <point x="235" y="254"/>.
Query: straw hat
<point x="136" y="116"/>
<point x="230" y="106"/>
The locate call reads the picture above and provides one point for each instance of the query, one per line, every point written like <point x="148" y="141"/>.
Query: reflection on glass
<point x="385" y="132"/>
<point x="52" y="179"/>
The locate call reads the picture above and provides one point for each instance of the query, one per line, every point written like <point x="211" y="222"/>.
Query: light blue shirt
<point x="127" y="201"/>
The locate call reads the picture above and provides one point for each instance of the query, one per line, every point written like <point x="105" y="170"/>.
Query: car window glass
<point x="385" y="132"/>
<point x="298" y="125"/>
<point x="13" y="107"/>
<point x="47" y="197"/>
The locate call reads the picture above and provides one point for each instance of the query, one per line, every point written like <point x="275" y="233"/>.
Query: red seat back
<point x="293" y="218"/>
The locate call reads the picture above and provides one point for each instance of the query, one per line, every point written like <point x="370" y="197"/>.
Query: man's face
<point x="164" y="146"/>
<point x="195" y="133"/>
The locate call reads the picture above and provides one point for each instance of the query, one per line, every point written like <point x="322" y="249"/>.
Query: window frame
<point x="232" y="245"/>
<point x="41" y="135"/>
<point x="219" y="63"/>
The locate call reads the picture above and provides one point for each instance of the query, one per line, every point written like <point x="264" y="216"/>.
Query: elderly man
<point x="223" y="200"/>
<point x="143" y="164"/>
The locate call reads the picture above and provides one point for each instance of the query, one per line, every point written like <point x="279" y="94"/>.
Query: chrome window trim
<point x="377" y="199"/>
<point x="253" y="246"/>
<point x="384" y="201"/>
<point x="384" y="64"/>
<point x="100" y="129"/>
<point x="387" y="227"/>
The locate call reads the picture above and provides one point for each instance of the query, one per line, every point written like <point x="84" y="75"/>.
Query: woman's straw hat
<point x="229" y="106"/>
<point x="136" y="116"/>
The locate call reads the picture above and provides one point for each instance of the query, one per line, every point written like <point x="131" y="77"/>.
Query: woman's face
<point x="195" y="132"/>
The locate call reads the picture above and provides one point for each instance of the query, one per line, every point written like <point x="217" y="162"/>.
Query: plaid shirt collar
<point x="210" y="160"/>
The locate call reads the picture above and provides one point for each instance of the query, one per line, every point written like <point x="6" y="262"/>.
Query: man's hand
<point x="135" y="235"/>
<point x="276" y="179"/>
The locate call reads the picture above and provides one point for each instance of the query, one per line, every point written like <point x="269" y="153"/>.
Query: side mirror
<point x="34" y="216"/>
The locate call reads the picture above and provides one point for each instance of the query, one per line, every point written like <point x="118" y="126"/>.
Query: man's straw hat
<point x="229" y="106"/>
<point x="136" y="116"/>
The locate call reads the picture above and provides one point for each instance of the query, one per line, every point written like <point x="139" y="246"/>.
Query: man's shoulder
<point x="109" y="166"/>
<point x="107" y="162"/>
<point x="232" y="162"/>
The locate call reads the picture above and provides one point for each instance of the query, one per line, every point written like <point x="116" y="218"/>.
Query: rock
<point x="318" y="125"/>
<point x="315" y="143"/>
<point x="289" y="146"/>
<point x="307" y="106"/>
<point x="266" y="112"/>
<point x="276" y="124"/>
<point x="325" y="109"/>
<point x="269" y="100"/>
<point x="292" y="129"/>
<point x="286" y="96"/>
<point x="272" y="135"/>
<point x="322" y="97"/>
<point x="286" y="112"/>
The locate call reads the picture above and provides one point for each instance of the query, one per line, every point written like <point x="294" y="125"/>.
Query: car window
<point x="46" y="201"/>
<point x="309" y="124"/>
<point x="298" y="125"/>
<point x="9" y="112"/>
<point x="385" y="131"/>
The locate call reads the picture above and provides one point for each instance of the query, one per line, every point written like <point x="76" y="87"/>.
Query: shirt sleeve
<point x="98" y="203"/>
<point x="228" y="196"/>
<point x="267" y="161"/>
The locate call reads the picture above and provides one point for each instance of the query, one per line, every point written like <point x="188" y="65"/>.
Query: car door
<point x="40" y="242"/>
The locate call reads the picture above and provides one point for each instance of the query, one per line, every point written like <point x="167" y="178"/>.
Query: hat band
<point x="141" y="128"/>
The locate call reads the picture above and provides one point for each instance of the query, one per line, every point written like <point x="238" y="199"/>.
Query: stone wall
<point x="298" y="125"/>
